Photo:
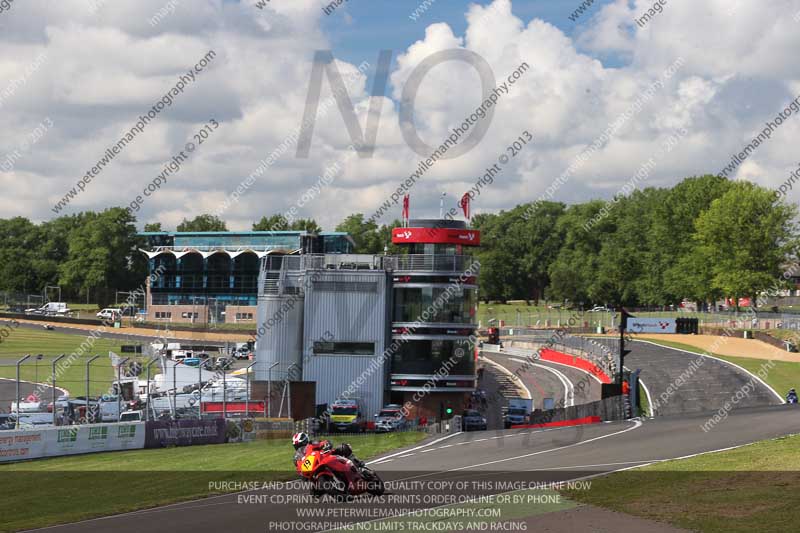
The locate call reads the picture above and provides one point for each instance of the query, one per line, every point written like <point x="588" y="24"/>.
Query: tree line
<point x="703" y="239"/>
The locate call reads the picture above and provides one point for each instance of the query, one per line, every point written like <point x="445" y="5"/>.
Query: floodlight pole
<point x="89" y="362"/>
<point x="18" y="364"/>
<point x="119" y="387"/>
<point x="149" y="396"/>
<point x="247" y="397"/>
<point x="53" y="385"/>
<point x="269" y="389"/>
<point x="224" y="395"/>
<point x="200" y="390"/>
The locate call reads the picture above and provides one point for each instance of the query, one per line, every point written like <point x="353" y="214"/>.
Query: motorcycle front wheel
<point x="376" y="487"/>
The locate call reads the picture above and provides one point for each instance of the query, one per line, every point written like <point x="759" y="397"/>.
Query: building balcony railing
<point x="432" y="263"/>
<point x="409" y="263"/>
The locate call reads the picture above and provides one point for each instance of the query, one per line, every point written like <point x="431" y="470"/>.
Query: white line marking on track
<point x="649" y="397"/>
<point x="381" y="459"/>
<point x="514" y="378"/>
<point x="773" y="391"/>
<point x="637" y="425"/>
<point x="569" y="397"/>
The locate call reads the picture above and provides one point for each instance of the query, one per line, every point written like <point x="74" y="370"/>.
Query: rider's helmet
<point x="300" y="440"/>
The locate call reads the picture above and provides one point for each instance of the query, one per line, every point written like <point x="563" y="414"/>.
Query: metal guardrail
<point x="432" y="263"/>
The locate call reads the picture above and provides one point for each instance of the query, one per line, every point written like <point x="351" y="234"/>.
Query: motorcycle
<point x="336" y="475"/>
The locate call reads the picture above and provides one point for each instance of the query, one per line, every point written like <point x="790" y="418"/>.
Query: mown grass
<point x="753" y="488"/>
<point x="22" y="341"/>
<point x="47" y="491"/>
<point x="783" y="376"/>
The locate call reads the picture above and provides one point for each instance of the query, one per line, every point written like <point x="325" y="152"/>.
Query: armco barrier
<point x="70" y="440"/>
<point x="561" y="423"/>
<point x="565" y="359"/>
<point x="186" y="432"/>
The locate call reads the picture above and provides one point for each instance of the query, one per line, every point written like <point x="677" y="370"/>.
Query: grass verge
<point x="45" y="492"/>
<point x="51" y="344"/>
<point x="782" y="377"/>
<point x="644" y="405"/>
<point x="752" y="488"/>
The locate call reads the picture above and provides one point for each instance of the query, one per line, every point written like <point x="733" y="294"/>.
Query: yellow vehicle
<point x="347" y="415"/>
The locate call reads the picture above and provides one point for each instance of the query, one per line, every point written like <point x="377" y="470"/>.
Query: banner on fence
<point x="651" y="325"/>
<point x="70" y="440"/>
<point x="186" y="432"/>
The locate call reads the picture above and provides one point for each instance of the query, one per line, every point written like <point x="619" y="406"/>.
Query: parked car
<point x="599" y="309"/>
<point x="390" y="418"/>
<point x="109" y="313"/>
<point x="191" y="361"/>
<point x="131" y="416"/>
<point x="472" y="420"/>
<point x="241" y="352"/>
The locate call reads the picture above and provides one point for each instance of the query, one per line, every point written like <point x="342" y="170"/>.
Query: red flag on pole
<point x="464" y="203"/>
<point x="405" y="208"/>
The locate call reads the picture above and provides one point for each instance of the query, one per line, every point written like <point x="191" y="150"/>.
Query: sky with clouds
<point x="75" y="75"/>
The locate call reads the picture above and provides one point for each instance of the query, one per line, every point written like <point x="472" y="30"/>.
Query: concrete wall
<point x="607" y="409"/>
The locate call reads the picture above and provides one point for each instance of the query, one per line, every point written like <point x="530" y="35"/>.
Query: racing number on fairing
<point x="308" y="463"/>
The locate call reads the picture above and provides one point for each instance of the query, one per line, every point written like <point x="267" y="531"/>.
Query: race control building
<point x="375" y="328"/>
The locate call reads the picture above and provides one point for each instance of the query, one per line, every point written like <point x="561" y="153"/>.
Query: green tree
<point x="541" y="241"/>
<point x="203" y="223"/>
<point x="305" y="224"/>
<point x="673" y="270"/>
<point x="103" y="254"/>
<point x="366" y="234"/>
<point x="746" y="235"/>
<point x="273" y="223"/>
<point x="280" y="223"/>
<point x="573" y="273"/>
<point x="153" y="226"/>
<point x="20" y="241"/>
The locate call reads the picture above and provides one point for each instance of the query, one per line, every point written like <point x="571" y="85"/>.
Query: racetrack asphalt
<point x="552" y="454"/>
<point x="545" y="379"/>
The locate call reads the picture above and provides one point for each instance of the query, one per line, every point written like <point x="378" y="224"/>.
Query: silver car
<point x="390" y="419"/>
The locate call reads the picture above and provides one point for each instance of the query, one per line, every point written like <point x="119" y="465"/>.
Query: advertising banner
<point x="70" y="440"/>
<point x="187" y="432"/>
<point x="651" y="325"/>
<point x="468" y="237"/>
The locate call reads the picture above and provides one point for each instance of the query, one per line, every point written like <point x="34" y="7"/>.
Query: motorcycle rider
<point x="791" y="397"/>
<point x="301" y="440"/>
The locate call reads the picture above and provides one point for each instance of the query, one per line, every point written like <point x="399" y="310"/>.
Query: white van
<point x="110" y="312"/>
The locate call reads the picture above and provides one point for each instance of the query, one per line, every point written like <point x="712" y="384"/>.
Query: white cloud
<point x="103" y="70"/>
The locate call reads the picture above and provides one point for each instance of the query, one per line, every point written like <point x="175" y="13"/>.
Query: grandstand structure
<point x="212" y="277"/>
